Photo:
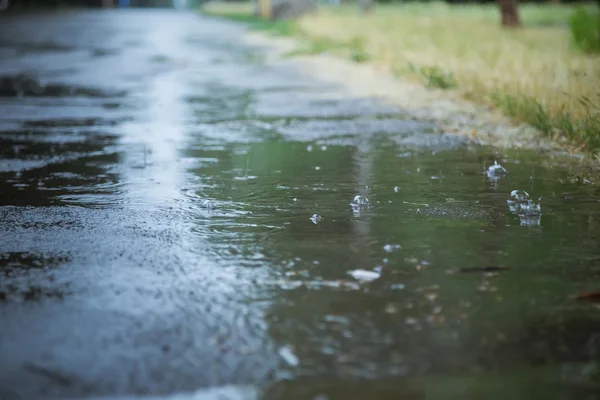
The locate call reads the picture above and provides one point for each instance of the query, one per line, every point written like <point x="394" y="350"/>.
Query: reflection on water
<point x="415" y="319"/>
<point x="384" y="261"/>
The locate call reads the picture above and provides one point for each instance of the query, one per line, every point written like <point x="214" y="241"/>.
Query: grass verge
<point x="534" y="74"/>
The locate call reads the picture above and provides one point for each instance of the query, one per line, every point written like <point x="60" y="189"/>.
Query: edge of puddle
<point x="479" y="124"/>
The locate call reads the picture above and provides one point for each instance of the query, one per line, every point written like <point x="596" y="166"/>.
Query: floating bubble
<point x="309" y="148"/>
<point x="317" y="168"/>
<point x="316" y="218"/>
<point x="396" y="189"/>
<point x="360" y="200"/>
<point x="323" y="148"/>
<point x="518" y="196"/>
<point x="496" y="171"/>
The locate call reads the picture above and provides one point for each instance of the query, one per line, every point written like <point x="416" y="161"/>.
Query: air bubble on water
<point x="390" y="248"/>
<point x="518" y="196"/>
<point x="316" y="218"/>
<point x="397" y="286"/>
<point x="309" y="148"/>
<point x="496" y="171"/>
<point x="323" y="148"/>
<point x="360" y="200"/>
<point x="396" y="189"/>
<point x="317" y="168"/>
<point x="295" y="199"/>
<point x="378" y="268"/>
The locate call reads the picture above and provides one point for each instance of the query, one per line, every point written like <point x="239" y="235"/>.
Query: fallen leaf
<point x="588" y="296"/>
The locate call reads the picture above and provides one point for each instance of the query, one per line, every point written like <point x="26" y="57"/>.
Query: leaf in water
<point x="588" y="296"/>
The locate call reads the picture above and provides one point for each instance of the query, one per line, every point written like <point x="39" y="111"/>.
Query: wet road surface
<point x="157" y="184"/>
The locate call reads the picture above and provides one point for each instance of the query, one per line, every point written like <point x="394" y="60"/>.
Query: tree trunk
<point x="510" y="13"/>
<point x="366" y="6"/>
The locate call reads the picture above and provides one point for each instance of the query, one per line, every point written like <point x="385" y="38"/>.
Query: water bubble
<point x="317" y="168"/>
<point x="389" y="248"/>
<point x="309" y="148"/>
<point x="323" y="148"/>
<point x="396" y="189"/>
<point x="295" y="199"/>
<point x="360" y="200"/>
<point x="518" y="196"/>
<point x="316" y="218"/>
<point x="496" y="171"/>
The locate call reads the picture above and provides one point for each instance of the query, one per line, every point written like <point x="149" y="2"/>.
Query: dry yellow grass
<point x="534" y="74"/>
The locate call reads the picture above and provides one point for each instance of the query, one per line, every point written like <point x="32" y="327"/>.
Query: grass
<point x="534" y="75"/>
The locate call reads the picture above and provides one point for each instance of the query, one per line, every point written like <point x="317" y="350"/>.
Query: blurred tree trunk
<point x="367" y="6"/>
<point x="510" y="13"/>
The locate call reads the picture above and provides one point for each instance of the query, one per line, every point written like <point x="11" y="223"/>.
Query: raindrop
<point x="516" y="199"/>
<point x="496" y="171"/>
<point x="360" y="200"/>
<point x="316" y="218"/>
<point x="530" y="208"/>
<point x="309" y="148"/>
<point x="518" y="196"/>
<point x="288" y="356"/>
<point x="396" y="189"/>
<point x="390" y="248"/>
<point x="364" y="275"/>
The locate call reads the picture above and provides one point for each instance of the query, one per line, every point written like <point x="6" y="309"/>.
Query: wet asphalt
<point x="108" y="287"/>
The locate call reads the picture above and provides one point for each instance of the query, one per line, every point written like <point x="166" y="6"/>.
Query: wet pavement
<point x="158" y="190"/>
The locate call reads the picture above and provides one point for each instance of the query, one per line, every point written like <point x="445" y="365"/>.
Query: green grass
<point x="534" y="75"/>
